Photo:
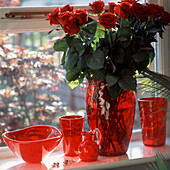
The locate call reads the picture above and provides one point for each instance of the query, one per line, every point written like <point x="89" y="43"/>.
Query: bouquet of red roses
<point x="110" y="43"/>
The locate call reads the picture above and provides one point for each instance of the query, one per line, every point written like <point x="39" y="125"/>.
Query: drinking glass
<point x="71" y="129"/>
<point x="153" y="120"/>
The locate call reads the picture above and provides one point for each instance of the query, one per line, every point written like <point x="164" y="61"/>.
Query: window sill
<point x="137" y="154"/>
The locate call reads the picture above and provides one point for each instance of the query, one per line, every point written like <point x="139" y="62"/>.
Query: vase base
<point x="112" y="153"/>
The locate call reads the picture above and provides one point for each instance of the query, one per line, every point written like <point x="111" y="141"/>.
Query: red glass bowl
<point x="34" y="143"/>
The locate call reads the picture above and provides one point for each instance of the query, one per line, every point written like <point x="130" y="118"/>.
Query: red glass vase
<point x="114" y="119"/>
<point x="153" y="120"/>
<point x="88" y="149"/>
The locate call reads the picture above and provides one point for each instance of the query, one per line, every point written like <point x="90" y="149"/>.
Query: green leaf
<point x="72" y="74"/>
<point x="78" y="81"/>
<point x="61" y="45"/>
<point x="119" y="56"/>
<point x="139" y="56"/>
<point x="100" y="32"/>
<point x="123" y="42"/>
<point x="91" y="40"/>
<point x="82" y="62"/>
<point x="72" y="58"/>
<point x="124" y="32"/>
<point x="95" y="43"/>
<point x="97" y="74"/>
<point x="127" y="81"/>
<point x="115" y="91"/>
<point x="151" y="54"/>
<point x="154" y="30"/>
<point x="81" y="52"/>
<point x="63" y="58"/>
<point x="96" y="60"/>
<point x="77" y="43"/>
<point x="91" y="28"/>
<point x="111" y="79"/>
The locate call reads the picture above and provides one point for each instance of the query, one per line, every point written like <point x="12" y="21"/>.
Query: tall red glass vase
<point x="114" y="119"/>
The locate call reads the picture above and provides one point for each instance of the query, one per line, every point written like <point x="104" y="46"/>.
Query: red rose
<point x="140" y="11"/>
<point x="165" y="19"/>
<point x="97" y="6"/>
<point x="107" y="20"/>
<point x="81" y="15"/>
<point x="66" y="8"/>
<point x="123" y="10"/>
<point x="64" y="17"/>
<point x="112" y="7"/>
<point x="53" y="17"/>
<point x="155" y="11"/>
<point x="72" y="26"/>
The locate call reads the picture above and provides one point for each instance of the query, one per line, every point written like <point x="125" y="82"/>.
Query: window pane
<point x="33" y="89"/>
<point x="25" y="3"/>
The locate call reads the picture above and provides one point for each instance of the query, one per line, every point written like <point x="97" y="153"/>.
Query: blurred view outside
<point x="33" y="89"/>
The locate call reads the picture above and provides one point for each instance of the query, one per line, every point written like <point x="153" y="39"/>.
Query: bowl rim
<point x="34" y="141"/>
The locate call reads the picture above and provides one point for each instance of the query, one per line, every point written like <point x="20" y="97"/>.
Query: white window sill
<point x="136" y="154"/>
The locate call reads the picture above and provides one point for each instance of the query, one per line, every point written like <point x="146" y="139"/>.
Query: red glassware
<point x="88" y="149"/>
<point x="34" y="143"/>
<point x="153" y="120"/>
<point x="114" y="119"/>
<point x="71" y="128"/>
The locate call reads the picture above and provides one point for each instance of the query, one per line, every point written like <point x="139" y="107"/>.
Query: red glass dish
<point x="34" y="143"/>
<point x="71" y="128"/>
<point x="153" y="120"/>
<point x="114" y="119"/>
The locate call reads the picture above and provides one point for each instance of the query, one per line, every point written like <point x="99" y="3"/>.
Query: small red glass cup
<point x="153" y="120"/>
<point x="71" y="129"/>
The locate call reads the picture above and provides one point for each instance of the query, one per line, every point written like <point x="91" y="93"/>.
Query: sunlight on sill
<point x="136" y="154"/>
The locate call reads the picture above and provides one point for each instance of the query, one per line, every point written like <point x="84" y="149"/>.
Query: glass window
<point x="31" y="3"/>
<point x="33" y="89"/>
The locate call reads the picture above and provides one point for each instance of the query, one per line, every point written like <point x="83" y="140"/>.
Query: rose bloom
<point x="123" y="10"/>
<point x="66" y="8"/>
<point x="53" y="17"/>
<point x="165" y="19"/>
<point x="81" y="15"/>
<point x="72" y="26"/>
<point x="107" y="20"/>
<point x="140" y="11"/>
<point x="112" y="7"/>
<point x="97" y="6"/>
<point x="63" y="17"/>
<point x="155" y="11"/>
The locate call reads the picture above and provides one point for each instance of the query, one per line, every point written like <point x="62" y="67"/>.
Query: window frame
<point x="11" y="25"/>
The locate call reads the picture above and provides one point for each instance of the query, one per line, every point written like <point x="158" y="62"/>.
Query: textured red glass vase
<point x="153" y="120"/>
<point x="114" y="119"/>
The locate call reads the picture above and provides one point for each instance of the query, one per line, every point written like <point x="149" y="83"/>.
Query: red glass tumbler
<point x="153" y="120"/>
<point x="71" y="129"/>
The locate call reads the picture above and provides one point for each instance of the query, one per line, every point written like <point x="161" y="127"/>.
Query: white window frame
<point x="39" y="24"/>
